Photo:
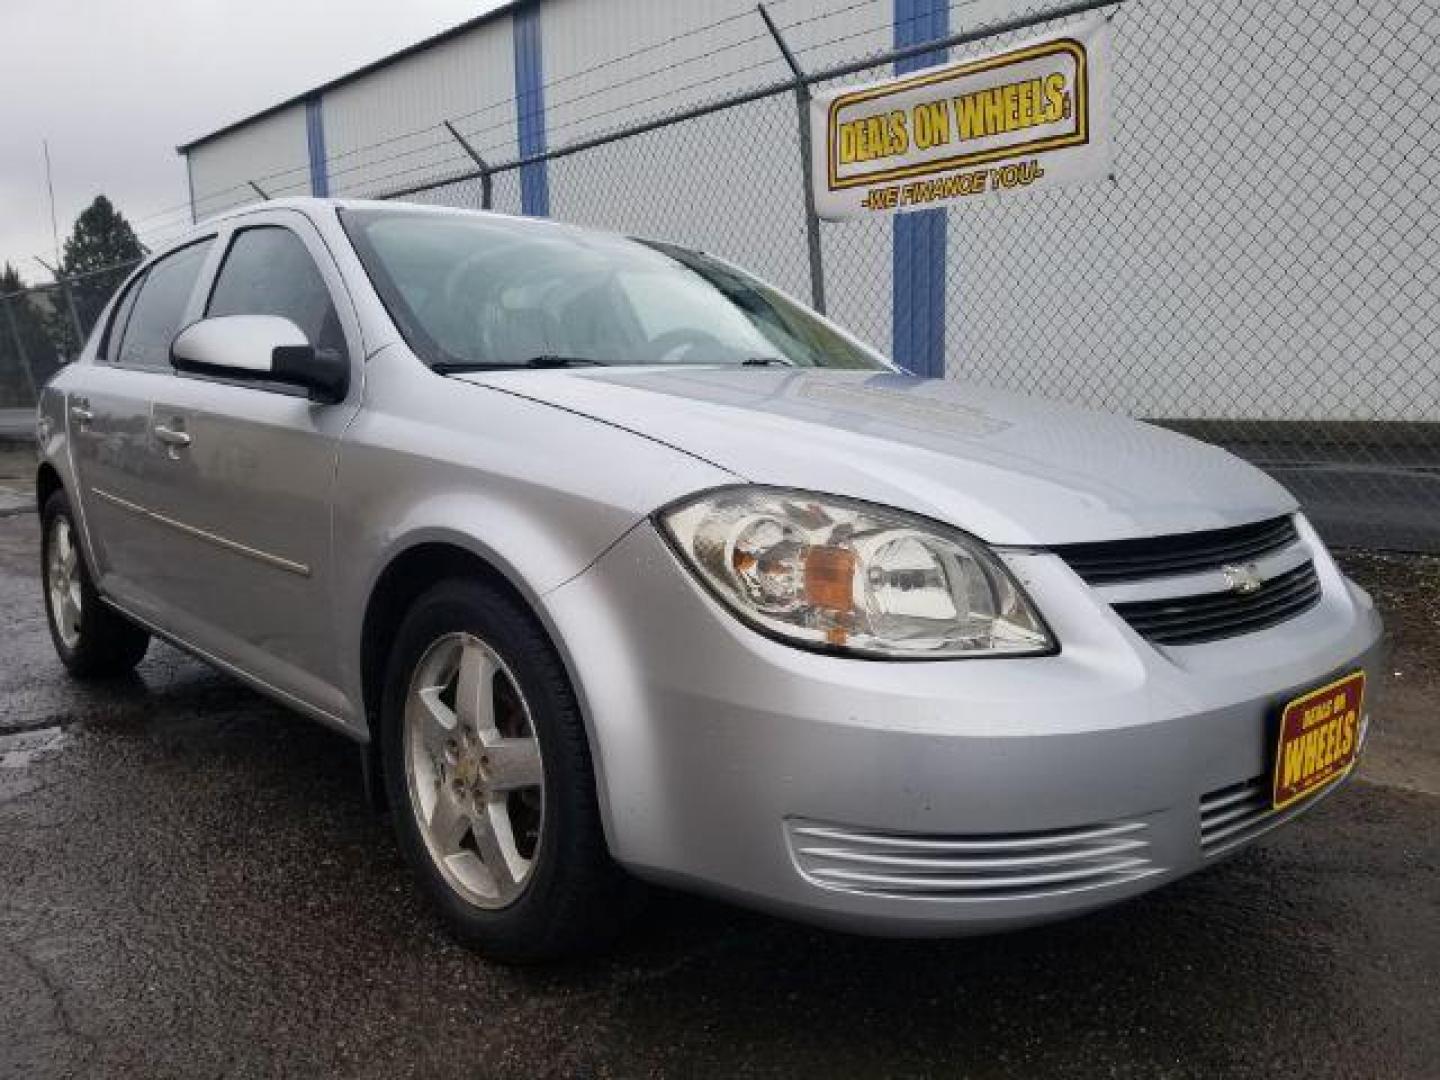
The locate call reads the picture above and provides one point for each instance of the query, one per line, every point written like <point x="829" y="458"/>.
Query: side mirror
<point x="260" y="348"/>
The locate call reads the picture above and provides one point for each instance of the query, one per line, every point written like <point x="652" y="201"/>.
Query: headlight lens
<point x="844" y="576"/>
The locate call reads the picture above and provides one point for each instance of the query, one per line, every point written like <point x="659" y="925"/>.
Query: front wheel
<point x="92" y="639"/>
<point x="490" y="780"/>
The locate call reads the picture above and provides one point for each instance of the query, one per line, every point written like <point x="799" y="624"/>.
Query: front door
<point x="245" y="471"/>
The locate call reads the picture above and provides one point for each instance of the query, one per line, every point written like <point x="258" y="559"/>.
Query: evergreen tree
<point x="101" y="238"/>
<point x="10" y="280"/>
<point x="97" y="257"/>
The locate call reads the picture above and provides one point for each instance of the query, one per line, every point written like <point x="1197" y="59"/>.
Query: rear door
<point x="109" y="419"/>
<point x="246" y="471"/>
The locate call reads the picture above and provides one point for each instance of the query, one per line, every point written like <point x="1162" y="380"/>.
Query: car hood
<point x="1009" y="469"/>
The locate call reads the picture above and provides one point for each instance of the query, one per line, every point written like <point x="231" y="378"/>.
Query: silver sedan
<point x="621" y="565"/>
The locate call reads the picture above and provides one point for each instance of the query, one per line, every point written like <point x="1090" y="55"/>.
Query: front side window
<point x="471" y="291"/>
<point x="153" y="319"/>
<point x="269" y="271"/>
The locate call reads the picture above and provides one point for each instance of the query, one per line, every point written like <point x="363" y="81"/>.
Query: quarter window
<point x="268" y="271"/>
<point x="122" y="316"/>
<point x="153" y="319"/>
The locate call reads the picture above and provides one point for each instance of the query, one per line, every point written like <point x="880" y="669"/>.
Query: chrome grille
<point x="970" y="867"/>
<point x="1116" y="561"/>
<point x="1189" y="620"/>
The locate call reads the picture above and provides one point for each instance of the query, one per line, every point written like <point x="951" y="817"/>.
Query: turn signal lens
<point x="830" y="578"/>
<point x="850" y="577"/>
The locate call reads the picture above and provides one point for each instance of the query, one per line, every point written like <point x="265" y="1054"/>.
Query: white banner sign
<point x="1033" y="116"/>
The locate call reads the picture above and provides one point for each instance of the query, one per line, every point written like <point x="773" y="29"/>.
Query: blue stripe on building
<point x="918" y="300"/>
<point x="315" y="141"/>
<point x="530" y="110"/>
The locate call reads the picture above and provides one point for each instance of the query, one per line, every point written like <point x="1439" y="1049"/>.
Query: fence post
<point x="485" y="188"/>
<point x="74" y="317"/>
<point x="20" y="349"/>
<point x="812" y="223"/>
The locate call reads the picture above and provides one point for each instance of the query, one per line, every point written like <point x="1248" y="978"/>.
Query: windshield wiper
<point x="765" y="361"/>
<point x="546" y="361"/>
<point x="455" y="367"/>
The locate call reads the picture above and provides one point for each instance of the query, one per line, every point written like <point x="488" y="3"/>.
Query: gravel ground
<point x="1407" y="590"/>
<point x="192" y="886"/>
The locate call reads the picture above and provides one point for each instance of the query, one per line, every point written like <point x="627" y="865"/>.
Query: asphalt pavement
<point x="191" y="885"/>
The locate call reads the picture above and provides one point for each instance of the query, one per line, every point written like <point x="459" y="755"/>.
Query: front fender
<point x="538" y="493"/>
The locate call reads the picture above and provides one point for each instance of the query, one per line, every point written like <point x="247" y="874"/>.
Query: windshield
<point x="472" y="291"/>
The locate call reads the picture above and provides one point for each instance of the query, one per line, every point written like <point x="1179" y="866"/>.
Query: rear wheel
<point x="92" y="639"/>
<point x="490" y="781"/>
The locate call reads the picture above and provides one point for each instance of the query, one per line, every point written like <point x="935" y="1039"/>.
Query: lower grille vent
<point x="971" y="867"/>
<point x="1233" y="815"/>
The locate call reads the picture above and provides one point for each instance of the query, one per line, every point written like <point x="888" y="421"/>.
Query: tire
<point x="464" y="797"/>
<point x="97" y="642"/>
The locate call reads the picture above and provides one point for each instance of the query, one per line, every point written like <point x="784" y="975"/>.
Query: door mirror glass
<point x="262" y="349"/>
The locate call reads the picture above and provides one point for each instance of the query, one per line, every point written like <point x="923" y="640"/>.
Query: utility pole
<point x="50" y="186"/>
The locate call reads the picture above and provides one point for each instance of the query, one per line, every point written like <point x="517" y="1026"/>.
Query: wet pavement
<point x="191" y="885"/>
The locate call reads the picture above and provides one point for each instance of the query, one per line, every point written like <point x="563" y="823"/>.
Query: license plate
<point x="1319" y="738"/>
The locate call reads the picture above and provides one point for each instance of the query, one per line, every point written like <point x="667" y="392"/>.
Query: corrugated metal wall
<point x="1266" y="249"/>
<point x="734" y="186"/>
<point x="270" y="151"/>
<point x="1197" y="259"/>
<point x="747" y="204"/>
<point x="601" y="66"/>
<point x="382" y="130"/>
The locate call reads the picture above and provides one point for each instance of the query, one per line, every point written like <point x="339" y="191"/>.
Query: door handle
<point x="81" y="415"/>
<point x="171" y="436"/>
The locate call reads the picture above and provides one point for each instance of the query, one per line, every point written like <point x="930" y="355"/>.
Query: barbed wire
<point x="301" y="168"/>
<point x="167" y="221"/>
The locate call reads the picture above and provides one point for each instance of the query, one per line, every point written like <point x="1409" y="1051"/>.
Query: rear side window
<point x="152" y="319"/>
<point x="268" y="271"/>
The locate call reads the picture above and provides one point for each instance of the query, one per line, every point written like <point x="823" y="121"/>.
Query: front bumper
<point x="941" y="797"/>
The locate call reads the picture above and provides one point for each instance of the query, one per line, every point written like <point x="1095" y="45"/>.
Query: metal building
<point x="1266" y="251"/>
<point x="543" y="73"/>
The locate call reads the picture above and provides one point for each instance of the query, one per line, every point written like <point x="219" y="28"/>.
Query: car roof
<point x="316" y="208"/>
<point x="314" y="205"/>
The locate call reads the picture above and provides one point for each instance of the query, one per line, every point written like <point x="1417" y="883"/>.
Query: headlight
<point x="844" y="576"/>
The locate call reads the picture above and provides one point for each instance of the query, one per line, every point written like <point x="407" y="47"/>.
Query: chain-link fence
<point x="43" y="327"/>
<point x="1262" y="271"/>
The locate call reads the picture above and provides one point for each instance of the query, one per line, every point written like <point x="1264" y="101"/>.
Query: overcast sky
<point x="116" y="85"/>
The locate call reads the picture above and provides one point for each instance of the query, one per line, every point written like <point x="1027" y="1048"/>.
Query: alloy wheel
<point x="62" y="579"/>
<point x="474" y="770"/>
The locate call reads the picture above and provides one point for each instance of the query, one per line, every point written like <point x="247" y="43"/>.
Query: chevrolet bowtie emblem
<point x="1243" y="578"/>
